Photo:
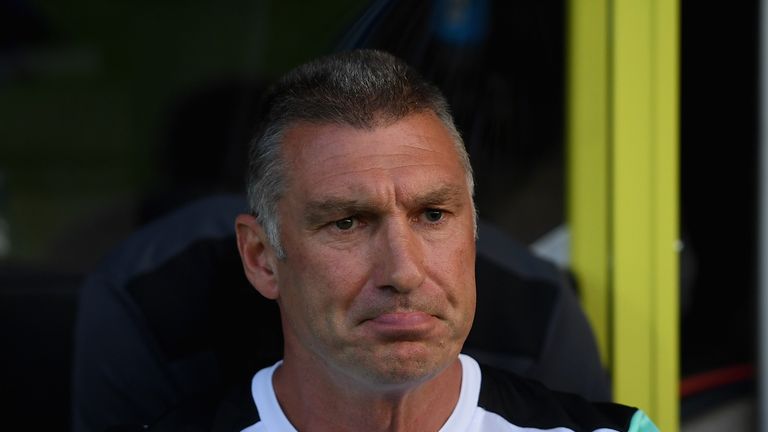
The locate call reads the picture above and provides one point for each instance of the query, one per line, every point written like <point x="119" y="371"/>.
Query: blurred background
<point x="114" y="113"/>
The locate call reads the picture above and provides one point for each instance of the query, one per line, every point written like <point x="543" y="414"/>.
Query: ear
<point x="257" y="255"/>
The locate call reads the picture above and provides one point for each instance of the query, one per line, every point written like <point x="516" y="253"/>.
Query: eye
<point x="345" y="224"/>
<point x="433" y="215"/>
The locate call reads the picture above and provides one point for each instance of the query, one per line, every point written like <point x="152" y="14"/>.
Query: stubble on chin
<point x="401" y="364"/>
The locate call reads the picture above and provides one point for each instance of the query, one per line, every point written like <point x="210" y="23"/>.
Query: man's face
<point x="378" y="283"/>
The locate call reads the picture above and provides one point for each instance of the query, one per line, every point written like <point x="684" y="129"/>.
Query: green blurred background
<point x="85" y="90"/>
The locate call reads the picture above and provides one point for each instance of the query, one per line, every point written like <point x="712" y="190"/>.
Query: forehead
<point x="418" y="146"/>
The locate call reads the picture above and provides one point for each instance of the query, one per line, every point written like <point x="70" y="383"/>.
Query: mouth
<point x="408" y="325"/>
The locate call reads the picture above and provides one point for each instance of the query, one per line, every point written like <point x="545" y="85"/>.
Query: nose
<point x="400" y="258"/>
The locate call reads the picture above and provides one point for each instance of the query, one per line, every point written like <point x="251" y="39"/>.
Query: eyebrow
<point x="443" y="194"/>
<point x="318" y="211"/>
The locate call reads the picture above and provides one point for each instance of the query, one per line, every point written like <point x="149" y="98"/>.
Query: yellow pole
<point x="623" y="191"/>
<point x="588" y="134"/>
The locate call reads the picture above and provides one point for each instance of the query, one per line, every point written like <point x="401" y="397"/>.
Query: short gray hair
<point x="361" y="88"/>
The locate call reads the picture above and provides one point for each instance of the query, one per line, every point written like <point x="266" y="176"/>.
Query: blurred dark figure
<point x="203" y="152"/>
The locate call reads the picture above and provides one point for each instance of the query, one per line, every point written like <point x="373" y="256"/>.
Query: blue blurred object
<point x="460" y="21"/>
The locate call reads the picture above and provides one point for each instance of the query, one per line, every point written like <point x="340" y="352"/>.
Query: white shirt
<point x="467" y="416"/>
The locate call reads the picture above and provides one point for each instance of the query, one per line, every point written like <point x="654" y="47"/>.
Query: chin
<point x="404" y="368"/>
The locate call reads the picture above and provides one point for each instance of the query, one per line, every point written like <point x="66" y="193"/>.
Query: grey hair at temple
<point x="364" y="89"/>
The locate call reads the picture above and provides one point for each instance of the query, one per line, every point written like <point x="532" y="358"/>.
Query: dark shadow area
<point x="719" y="127"/>
<point x="37" y="317"/>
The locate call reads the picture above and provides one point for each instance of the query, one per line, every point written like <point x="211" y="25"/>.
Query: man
<point x="363" y="231"/>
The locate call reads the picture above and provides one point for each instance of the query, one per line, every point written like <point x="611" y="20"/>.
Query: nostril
<point x="390" y="288"/>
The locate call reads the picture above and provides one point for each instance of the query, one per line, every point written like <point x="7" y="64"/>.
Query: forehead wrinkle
<point x="422" y="138"/>
<point x="394" y="157"/>
<point x="334" y="204"/>
<point x="361" y="171"/>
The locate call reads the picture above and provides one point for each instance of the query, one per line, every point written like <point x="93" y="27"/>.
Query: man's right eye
<point x="345" y="224"/>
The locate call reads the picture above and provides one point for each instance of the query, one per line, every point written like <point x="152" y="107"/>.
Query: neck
<point x="320" y="401"/>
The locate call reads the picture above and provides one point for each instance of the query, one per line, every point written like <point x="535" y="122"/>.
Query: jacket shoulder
<point x="527" y="403"/>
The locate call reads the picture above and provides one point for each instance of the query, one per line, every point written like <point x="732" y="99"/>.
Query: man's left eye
<point x="345" y="224"/>
<point x="433" y="215"/>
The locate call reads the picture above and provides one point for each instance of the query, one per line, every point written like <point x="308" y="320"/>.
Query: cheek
<point x="325" y="281"/>
<point x="456" y="275"/>
<point x="454" y="266"/>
